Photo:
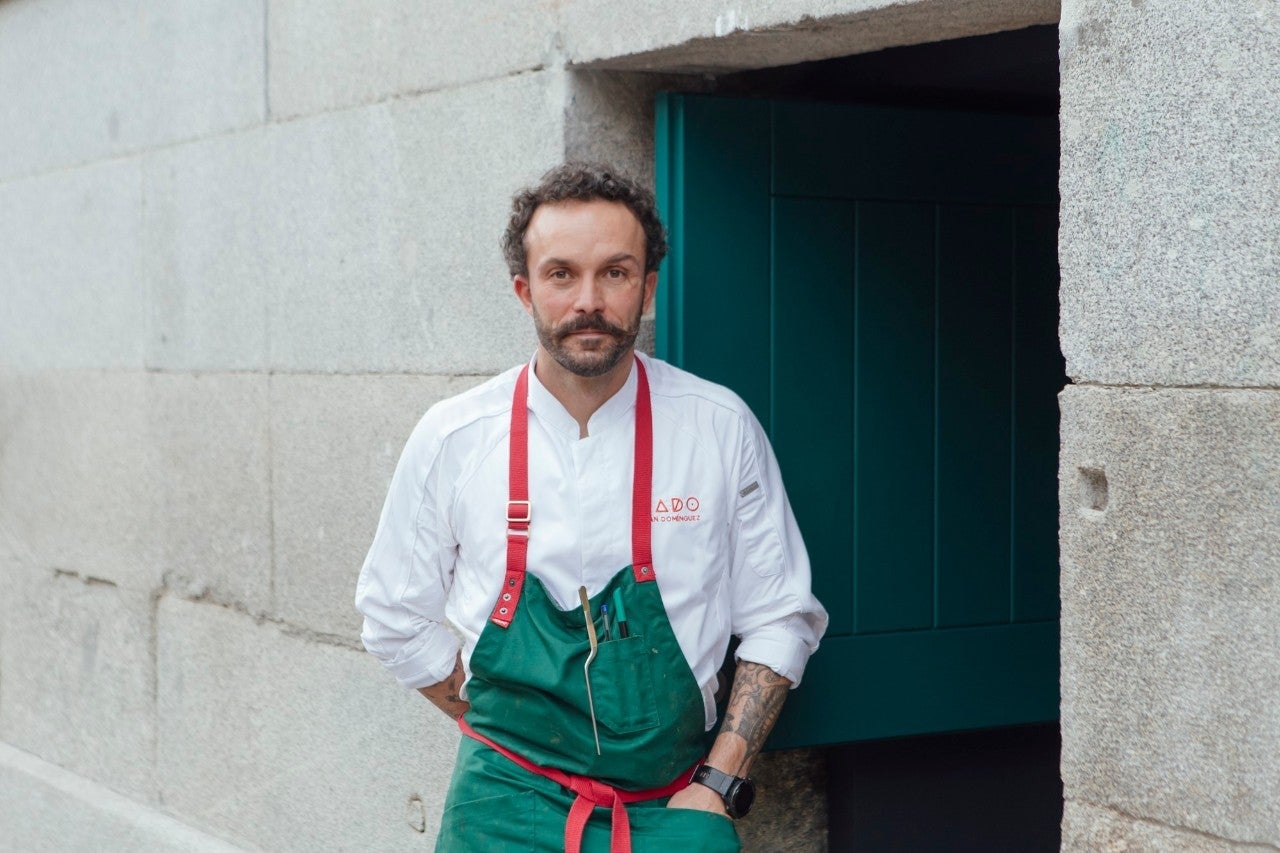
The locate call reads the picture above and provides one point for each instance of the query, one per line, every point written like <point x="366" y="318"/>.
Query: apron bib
<point x="529" y="701"/>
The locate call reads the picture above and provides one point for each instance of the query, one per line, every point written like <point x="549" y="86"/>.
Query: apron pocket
<point x="502" y="823"/>
<point x="622" y="684"/>
<point x="662" y="830"/>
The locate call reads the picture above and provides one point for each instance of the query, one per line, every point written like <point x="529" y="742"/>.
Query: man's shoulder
<point x="683" y="389"/>
<point x="472" y="409"/>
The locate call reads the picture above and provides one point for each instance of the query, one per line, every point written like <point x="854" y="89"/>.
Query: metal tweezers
<point x="586" y="667"/>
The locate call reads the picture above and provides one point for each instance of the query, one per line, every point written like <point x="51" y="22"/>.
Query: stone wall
<point x="244" y="244"/>
<point x="234" y="271"/>
<point x="1170" y="508"/>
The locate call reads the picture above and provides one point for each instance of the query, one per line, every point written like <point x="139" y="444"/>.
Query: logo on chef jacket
<point x="677" y="509"/>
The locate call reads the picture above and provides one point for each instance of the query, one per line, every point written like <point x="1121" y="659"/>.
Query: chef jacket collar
<point x="552" y="414"/>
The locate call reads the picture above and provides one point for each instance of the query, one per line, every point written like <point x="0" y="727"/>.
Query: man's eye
<point x="559" y="273"/>
<point x="617" y="273"/>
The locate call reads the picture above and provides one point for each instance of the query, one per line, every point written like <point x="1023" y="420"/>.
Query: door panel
<point x="974" y="386"/>
<point x="813" y="428"/>
<point x="895" y="426"/>
<point x="1039" y="374"/>
<point x="880" y="285"/>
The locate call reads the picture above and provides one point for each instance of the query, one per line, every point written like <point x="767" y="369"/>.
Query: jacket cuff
<point x="775" y="647"/>
<point x="427" y="659"/>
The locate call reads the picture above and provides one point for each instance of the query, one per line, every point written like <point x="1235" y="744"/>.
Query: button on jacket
<point x="727" y="552"/>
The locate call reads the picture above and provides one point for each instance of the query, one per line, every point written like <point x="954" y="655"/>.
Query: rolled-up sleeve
<point x="404" y="583"/>
<point x="774" y="611"/>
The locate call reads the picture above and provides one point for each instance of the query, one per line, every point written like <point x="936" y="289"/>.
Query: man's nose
<point x="590" y="296"/>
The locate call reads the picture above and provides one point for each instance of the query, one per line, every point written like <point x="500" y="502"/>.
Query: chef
<point x="566" y="550"/>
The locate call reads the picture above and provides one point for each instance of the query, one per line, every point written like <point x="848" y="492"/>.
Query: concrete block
<point x="71" y="292"/>
<point x="710" y="36"/>
<point x="211" y="443"/>
<point x="1087" y="828"/>
<point x="78" y="685"/>
<point x="208" y="213"/>
<point x="1170" y="159"/>
<point x="393" y="253"/>
<point x="1170" y="548"/>
<point x="81" y="82"/>
<point x="45" y="809"/>
<point x="335" y="442"/>
<point x="334" y="55"/>
<point x="77" y="475"/>
<point x="373" y="241"/>
<point x="291" y="743"/>
<point x="139" y="478"/>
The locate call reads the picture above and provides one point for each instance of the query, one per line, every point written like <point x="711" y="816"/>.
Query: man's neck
<point x="581" y="396"/>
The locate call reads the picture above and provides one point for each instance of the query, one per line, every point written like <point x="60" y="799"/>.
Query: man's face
<point x="586" y="287"/>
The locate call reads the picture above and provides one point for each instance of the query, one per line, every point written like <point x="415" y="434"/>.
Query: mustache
<point x="589" y="323"/>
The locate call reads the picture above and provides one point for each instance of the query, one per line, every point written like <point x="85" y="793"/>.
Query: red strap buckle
<point x="518" y="515"/>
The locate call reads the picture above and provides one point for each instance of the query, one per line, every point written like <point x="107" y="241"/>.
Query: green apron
<point x="528" y="695"/>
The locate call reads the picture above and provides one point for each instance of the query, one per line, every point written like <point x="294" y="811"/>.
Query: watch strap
<point x="738" y="793"/>
<point x="716" y="780"/>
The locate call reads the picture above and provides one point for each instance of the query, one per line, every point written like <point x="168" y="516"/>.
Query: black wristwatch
<point x="738" y="793"/>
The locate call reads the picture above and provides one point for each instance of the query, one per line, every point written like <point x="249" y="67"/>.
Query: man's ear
<point x="520" y="284"/>
<point x="650" y="289"/>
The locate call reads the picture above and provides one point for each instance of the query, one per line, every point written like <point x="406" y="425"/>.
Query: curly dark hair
<point x="583" y="182"/>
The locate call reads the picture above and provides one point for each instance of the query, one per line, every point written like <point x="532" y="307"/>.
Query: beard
<point x="601" y="356"/>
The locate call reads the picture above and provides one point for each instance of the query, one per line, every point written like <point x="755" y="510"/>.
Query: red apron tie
<point x="591" y="793"/>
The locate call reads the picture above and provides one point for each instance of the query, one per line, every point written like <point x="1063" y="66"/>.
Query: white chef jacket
<point x="726" y="549"/>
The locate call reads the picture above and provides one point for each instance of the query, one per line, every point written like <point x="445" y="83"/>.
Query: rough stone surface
<point x="85" y="81"/>
<point x="139" y="479"/>
<point x="45" y="809"/>
<point x="364" y="240"/>
<point x="711" y="36"/>
<point x="71" y="290"/>
<point x="335" y="443"/>
<point x="210" y="439"/>
<point x="209" y="225"/>
<point x="334" y="55"/>
<point x="77" y="689"/>
<point x="1087" y="828"/>
<point x="1170" y="252"/>
<point x="609" y="117"/>
<point x="1170" y="554"/>
<point x="291" y="743"/>
<point x="790" y="814"/>
<point x="76" y="475"/>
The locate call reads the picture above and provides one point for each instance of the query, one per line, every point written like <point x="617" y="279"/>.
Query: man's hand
<point x="445" y="694"/>
<point x="697" y="797"/>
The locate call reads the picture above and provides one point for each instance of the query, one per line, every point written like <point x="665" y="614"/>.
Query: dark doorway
<point x="997" y="788"/>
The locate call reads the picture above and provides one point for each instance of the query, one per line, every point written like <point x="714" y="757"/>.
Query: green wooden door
<point x="880" y="286"/>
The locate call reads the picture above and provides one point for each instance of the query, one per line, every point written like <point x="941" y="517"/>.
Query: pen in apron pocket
<point x="620" y="614"/>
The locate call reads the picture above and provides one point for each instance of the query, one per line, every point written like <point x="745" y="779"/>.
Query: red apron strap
<point x="642" y="483"/>
<point x="518" y="510"/>
<point x="590" y="794"/>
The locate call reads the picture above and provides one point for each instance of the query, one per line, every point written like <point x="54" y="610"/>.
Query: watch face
<point x="741" y="795"/>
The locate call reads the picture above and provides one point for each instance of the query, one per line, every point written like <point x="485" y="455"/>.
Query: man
<point x="595" y="525"/>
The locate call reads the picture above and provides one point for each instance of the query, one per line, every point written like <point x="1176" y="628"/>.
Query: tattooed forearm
<point x="445" y="695"/>
<point x="754" y="704"/>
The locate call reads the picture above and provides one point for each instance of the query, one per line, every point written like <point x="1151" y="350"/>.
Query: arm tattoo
<point x="446" y="694"/>
<point x="754" y="705"/>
